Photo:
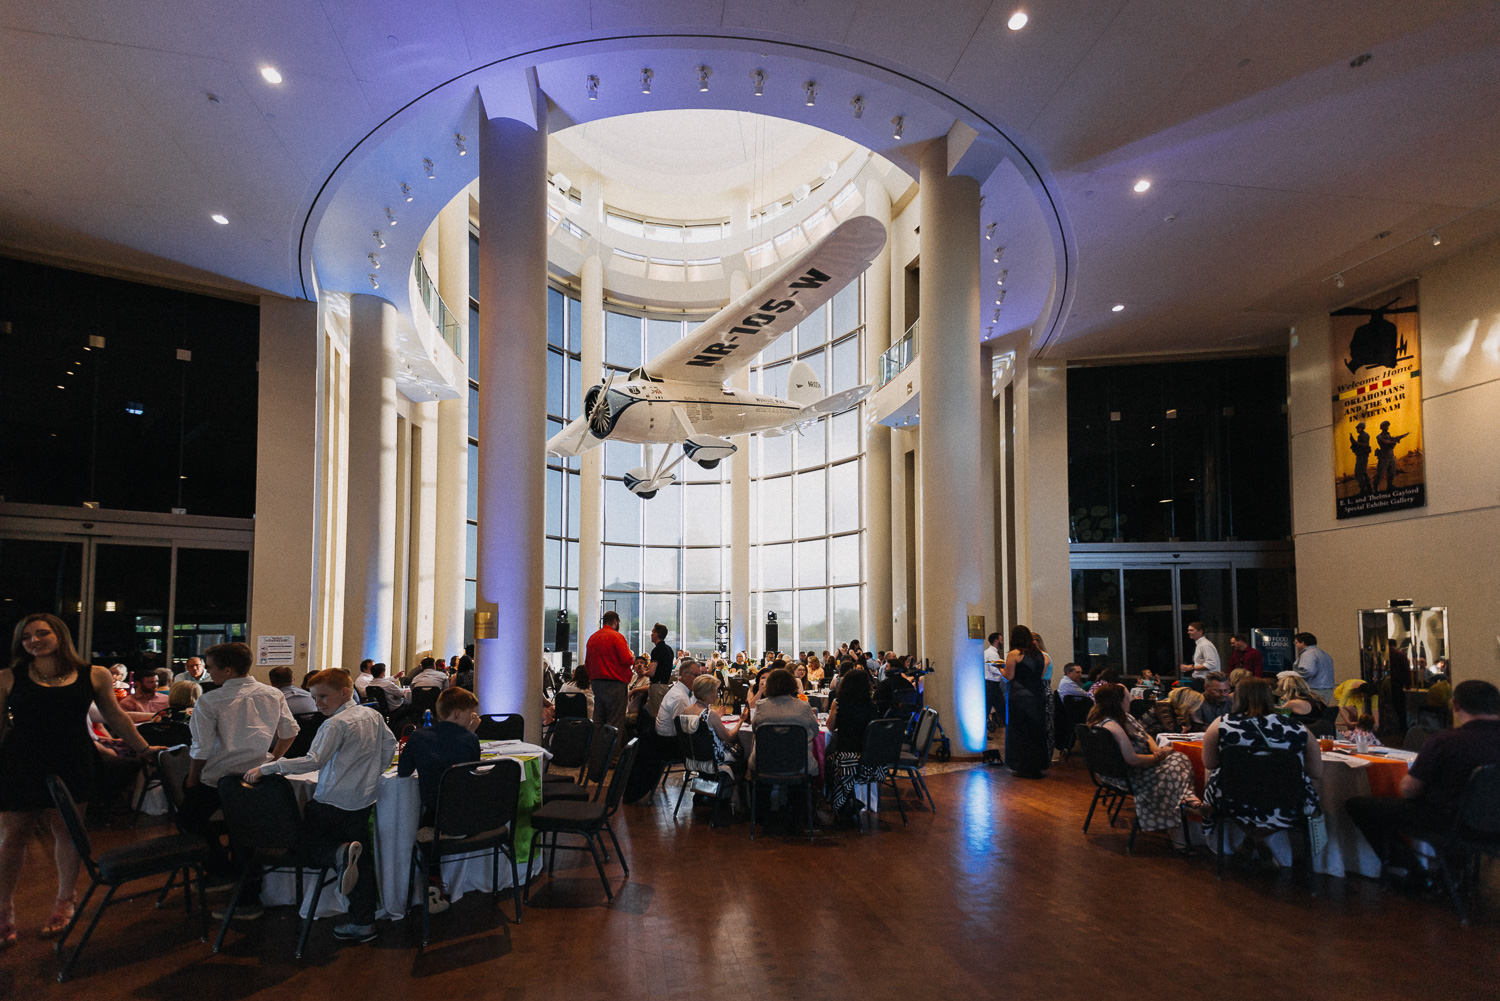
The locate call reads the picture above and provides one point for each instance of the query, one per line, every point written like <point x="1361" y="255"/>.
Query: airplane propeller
<point x="599" y="415"/>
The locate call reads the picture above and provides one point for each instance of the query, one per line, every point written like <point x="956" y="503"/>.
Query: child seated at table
<point x="1365" y="726"/>
<point x="430" y="751"/>
<point x="350" y="751"/>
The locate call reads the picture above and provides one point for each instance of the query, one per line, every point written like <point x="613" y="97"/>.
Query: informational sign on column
<point x="275" y="651"/>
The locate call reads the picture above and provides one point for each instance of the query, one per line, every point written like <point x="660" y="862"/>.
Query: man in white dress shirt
<point x="364" y="677"/>
<point x="678" y="698"/>
<point x="1205" y="654"/>
<point x="351" y="750"/>
<point x="395" y="698"/>
<point x="429" y="676"/>
<point x="1072" y="682"/>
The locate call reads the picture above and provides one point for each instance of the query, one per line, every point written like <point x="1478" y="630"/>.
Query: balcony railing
<point x="898" y="356"/>
<point x="437" y="309"/>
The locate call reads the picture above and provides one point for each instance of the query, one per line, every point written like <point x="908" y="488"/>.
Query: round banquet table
<point x="1345" y="774"/>
<point x="398" y="814"/>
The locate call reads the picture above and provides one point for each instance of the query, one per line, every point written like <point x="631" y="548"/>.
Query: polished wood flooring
<point x="997" y="895"/>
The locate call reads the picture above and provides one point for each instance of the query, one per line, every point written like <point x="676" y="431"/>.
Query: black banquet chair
<point x="1102" y="755"/>
<point x="601" y="749"/>
<point x="1475" y="835"/>
<point x="1263" y="780"/>
<point x="476" y="816"/>
<point x="701" y="772"/>
<point x="781" y="760"/>
<point x="571" y="705"/>
<point x="881" y="755"/>
<point x="501" y="726"/>
<point x="169" y="855"/>
<point x="586" y="820"/>
<point x="913" y="762"/>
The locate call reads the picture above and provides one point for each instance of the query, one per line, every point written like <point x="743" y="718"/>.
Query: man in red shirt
<point x="1243" y="655"/>
<point x="611" y="666"/>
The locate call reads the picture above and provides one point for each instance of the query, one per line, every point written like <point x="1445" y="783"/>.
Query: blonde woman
<point x="1184" y="702"/>
<point x="1297" y="701"/>
<point x="815" y="672"/>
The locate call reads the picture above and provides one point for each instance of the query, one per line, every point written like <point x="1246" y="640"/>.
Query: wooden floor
<point x="997" y="895"/>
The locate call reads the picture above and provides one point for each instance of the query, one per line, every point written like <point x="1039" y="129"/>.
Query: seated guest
<point x="430" y="750"/>
<point x="298" y="701"/>
<point x="726" y="744"/>
<point x="1238" y="675"/>
<point x="895" y="681"/>
<point x="1072" y="682"/>
<point x="464" y="676"/>
<point x="779" y="704"/>
<point x="1296" y="700"/>
<point x="799" y="675"/>
<point x="579" y="685"/>
<point x="1364" y="727"/>
<point x="1161" y="778"/>
<point x="848" y="718"/>
<point x="147" y="700"/>
<point x="364" y="677"/>
<point x="395" y="698"/>
<point x="637" y="693"/>
<point x="1215" y="703"/>
<point x="1434" y="785"/>
<point x="1350" y="697"/>
<point x="350" y="751"/>
<point x="1150" y="683"/>
<point x="815" y="672"/>
<point x="181" y="698"/>
<point x="193" y="671"/>
<point x="1184" y="702"/>
<point x="1108" y="676"/>
<point x="1252" y="722"/>
<point x="673" y="704"/>
<point x="428" y="676"/>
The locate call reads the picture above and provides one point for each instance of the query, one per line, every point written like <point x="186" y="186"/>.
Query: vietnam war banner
<point x="1377" y="405"/>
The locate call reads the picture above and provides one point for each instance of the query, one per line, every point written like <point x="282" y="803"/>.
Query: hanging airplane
<point x="681" y="396"/>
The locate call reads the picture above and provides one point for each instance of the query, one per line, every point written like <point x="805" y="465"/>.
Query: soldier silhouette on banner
<point x="1385" y="456"/>
<point x="1360" y="446"/>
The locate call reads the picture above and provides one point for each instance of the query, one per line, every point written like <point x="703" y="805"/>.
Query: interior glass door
<point x="41" y="575"/>
<point x="1150" y="614"/>
<point x="132" y="590"/>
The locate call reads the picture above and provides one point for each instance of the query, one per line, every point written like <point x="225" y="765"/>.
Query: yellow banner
<point x="1377" y="405"/>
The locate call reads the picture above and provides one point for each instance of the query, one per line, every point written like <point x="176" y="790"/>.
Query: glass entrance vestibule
<point x="139" y="590"/>
<point x="1132" y="604"/>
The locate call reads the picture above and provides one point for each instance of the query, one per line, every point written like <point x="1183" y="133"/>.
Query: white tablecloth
<point x="398" y="813"/>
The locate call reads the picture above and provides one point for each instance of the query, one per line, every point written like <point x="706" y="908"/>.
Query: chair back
<point x="739" y="691"/>
<point x="173" y="765"/>
<point x="1416" y="736"/>
<point x="621" y="777"/>
<point x="1324" y="728"/>
<point x="1331" y="712"/>
<point x="926" y="730"/>
<point x="1077" y="709"/>
<point x="380" y="697"/>
<point x="569" y="742"/>
<point x="883" y="738"/>
<point x="501" y="726"/>
<point x="602" y="748"/>
<point x="1142" y="707"/>
<point x="477" y="797"/>
<point x="77" y="831"/>
<point x="263" y="816"/>
<point x="1479" y="807"/>
<point x="307" y="728"/>
<point x="165" y="733"/>
<point x="1263" y="779"/>
<point x="571" y="705"/>
<point x="696" y="744"/>
<point x="780" y="750"/>
<point x="424" y="698"/>
<point x="1101" y="752"/>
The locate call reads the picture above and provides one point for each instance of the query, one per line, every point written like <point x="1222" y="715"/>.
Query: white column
<point x="740" y="624"/>
<point x="512" y="417"/>
<point x="423" y="564"/>
<point x="951" y="588"/>
<point x="1045" y="598"/>
<point x="370" y="522"/>
<point x="875" y="624"/>
<point x="451" y="443"/>
<point x="591" y="463"/>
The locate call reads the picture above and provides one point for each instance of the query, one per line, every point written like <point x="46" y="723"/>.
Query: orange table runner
<point x="1385" y="773"/>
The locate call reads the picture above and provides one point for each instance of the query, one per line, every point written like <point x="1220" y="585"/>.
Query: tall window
<point x="665" y="559"/>
<point x="806" y="515"/>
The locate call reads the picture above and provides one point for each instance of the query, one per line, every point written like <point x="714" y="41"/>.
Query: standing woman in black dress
<point x="1028" y="732"/>
<point x="47" y="692"/>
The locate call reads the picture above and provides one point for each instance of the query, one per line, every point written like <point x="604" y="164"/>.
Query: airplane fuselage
<point x="644" y="411"/>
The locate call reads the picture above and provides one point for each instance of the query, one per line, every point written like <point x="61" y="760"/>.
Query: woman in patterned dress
<point x="1252" y="722"/>
<point x="1160" y="778"/>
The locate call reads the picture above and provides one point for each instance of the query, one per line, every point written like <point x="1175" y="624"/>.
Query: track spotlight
<point x="646" y="77"/>
<point x="811" y="89"/>
<point x="758" y="77"/>
<point x="996" y="318"/>
<point x="989" y="231"/>
<point x="374" y="260"/>
<point x="704" y="72"/>
<point x="220" y="218"/>
<point x="1338" y="281"/>
<point x="1142" y="186"/>
<point x="1003" y="273"/>
<point x="999" y="253"/>
<point x="1117" y="307"/>
<point x="592" y="86"/>
<point x="427" y="166"/>
<point x="1436" y="240"/>
<point x="391" y="216"/>
<point x="859" y="106"/>
<point x="458" y="140"/>
<point x="406" y="190"/>
<point x="374" y="281"/>
<point x="379" y="238"/>
<point x="999" y="297"/>
<point x="899" y="125"/>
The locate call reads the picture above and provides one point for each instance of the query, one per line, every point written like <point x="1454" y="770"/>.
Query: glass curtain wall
<point x="665" y="559"/>
<point x="805" y="496"/>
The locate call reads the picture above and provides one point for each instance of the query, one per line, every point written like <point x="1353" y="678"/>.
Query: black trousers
<point x="324" y="830"/>
<point x="199" y="803"/>
<point x="1387" y="824"/>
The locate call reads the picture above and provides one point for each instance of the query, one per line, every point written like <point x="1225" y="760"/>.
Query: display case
<point x="1403" y="650"/>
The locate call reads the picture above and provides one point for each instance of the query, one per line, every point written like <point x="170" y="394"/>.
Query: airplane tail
<point x="802" y="385"/>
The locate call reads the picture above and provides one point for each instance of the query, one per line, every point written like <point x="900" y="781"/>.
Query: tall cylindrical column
<point x="591" y="463"/>
<point x="947" y="472"/>
<point x="876" y="622"/>
<point x="370" y="519"/>
<point x="739" y="511"/>
<point x="452" y="442"/>
<point x="512" y="417"/>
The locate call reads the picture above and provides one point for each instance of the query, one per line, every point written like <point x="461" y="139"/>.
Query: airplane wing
<point x="735" y="334"/>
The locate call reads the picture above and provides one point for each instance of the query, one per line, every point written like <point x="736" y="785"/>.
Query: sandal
<point x="62" y="914"/>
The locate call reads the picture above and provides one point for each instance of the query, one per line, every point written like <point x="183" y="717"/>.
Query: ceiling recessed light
<point x="271" y="74"/>
<point x="1117" y="307"/>
<point x="1142" y="185"/>
<point x="1437" y="241"/>
<point x="1017" y="21"/>
<point x="220" y="218"/>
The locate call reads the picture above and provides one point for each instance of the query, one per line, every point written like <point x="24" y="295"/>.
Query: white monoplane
<point x="682" y="396"/>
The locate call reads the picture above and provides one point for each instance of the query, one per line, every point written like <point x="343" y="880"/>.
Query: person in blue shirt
<point x="1314" y="665"/>
<point x="430" y="751"/>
